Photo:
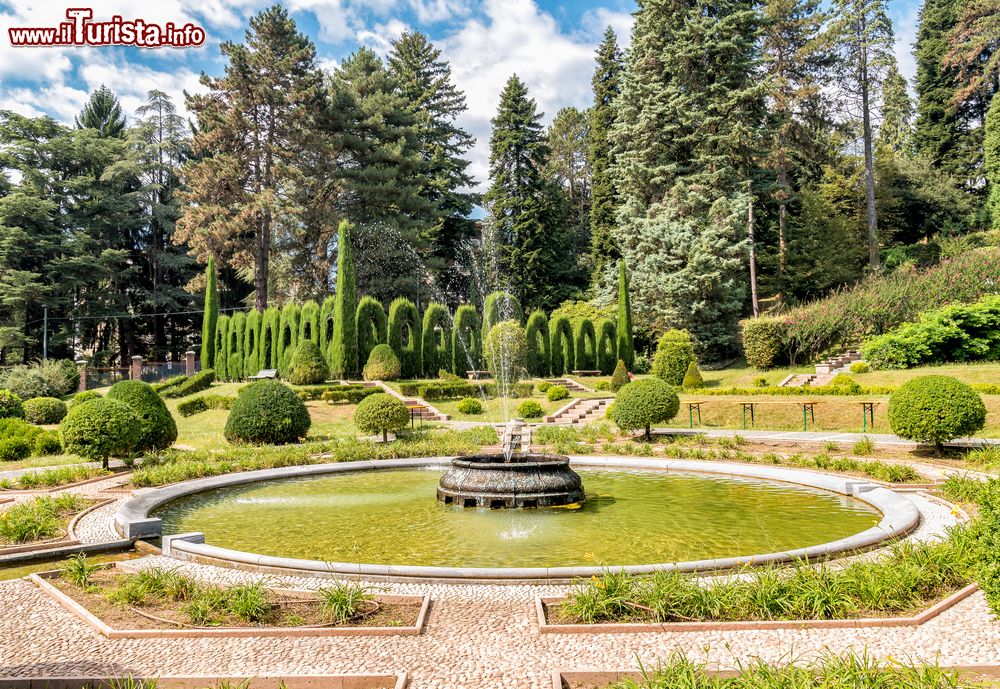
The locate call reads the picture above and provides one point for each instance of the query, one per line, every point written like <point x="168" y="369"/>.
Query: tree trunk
<point x="866" y="123"/>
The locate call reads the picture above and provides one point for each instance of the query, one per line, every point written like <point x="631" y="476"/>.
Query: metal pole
<point x="45" y="333"/>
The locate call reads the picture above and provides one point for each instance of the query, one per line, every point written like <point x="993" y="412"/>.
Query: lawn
<point x="743" y="376"/>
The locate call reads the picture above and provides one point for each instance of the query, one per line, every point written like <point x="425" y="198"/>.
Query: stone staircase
<point x="424" y="412"/>
<point x="569" y="384"/>
<point x="581" y="411"/>
<point x="825" y="371"/>
<point x="835" y="363"/>
<point x="801" y="379"/>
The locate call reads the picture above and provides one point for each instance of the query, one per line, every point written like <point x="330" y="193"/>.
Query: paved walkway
<point x="819" y="436"/>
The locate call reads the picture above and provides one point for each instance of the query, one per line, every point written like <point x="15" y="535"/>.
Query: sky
<point x="550" y="44"/>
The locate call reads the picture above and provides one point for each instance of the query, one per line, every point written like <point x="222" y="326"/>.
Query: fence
<point x="149" y="371"/>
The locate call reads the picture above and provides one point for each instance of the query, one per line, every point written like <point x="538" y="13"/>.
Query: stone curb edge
<point x="343" y="681"/>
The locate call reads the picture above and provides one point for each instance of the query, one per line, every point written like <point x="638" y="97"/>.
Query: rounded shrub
<point x="556" y="393"/>
<point x="846" y="383"/>
<point x="11" y="406"/>
<point x="620" y="377"/>
<point x="763" y="341"/>
<point x="760" y="382"/>
<point x="267" y="413"/>
<point x="544" y="386"/>
<point x="860" y="367"/>
<point x="383" y="364"/>
<point x="85" y="396"/>
<point x="44" y="410"/>
<point x="99" y="429"/>
<point x="529" y="409"/>
<point x="935" y="409"/>
<point x="674" y="352"/>
<point x="381" y="413"/>
<point x="470" y="405"/>
<point x="14" y="449"/>
<point x="159" y="430"/>
<point x="308" y="365"/>
<point x="506" y="352"/>
<point x="644" y="402"/>
<point x="47" y="444"/>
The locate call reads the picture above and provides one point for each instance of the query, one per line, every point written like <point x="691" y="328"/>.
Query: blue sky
<point x="548" y="43"/>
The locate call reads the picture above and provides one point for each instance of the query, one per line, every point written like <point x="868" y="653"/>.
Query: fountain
<point x="513" y="478"/>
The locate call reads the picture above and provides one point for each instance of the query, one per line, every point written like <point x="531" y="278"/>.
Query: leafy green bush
<point x="860" y="367"/>
<point x="267" y="413"/>
<point x="987" y="495"/>
<point x="308" y="365"/>
<point x="14" y="449"/>
<point x="674" y="352"/>
<point x="435" y="349"/>
<point x="620" y="377"/>
<point x="844" y="382"/>
<point x="585" y="345"/>
<point x="404" y="335"/>
<point x="84" y="396"/>
<point x="693" y="379"/>
<point x="39" y="518"/>
<point x="383" y="364"/>
<point x="602" y="385"/>
<point x="529" y="409"/>
<point x="48" y="444"/>
<point x="197" y="405"/>
<point x="505" y="351"/>
<point x="101" y="428"/>
<point x="544" y="386"/>
<point x="196" y="383"/>
<point x="159" y="430"/>
<point x="562" y="358"/>
<point x="763" y="341"/>
<point x="11" y="406"/>
<point x="556" y="393"/>
<point x="49" y="378"/>
<point x="381" y="413"/>
<point x="760" y="382"/>
<point x="644" y="402"/>
<point x="44" y="410"/>
<point x="470" y="405"/>
<point x="607" y="346"/>
<point x="935" y="409"/>
<point x="536" y="332"/>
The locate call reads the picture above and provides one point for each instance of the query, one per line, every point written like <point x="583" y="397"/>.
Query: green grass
<point x="743" y="376"/>
<point x="52" y="478"/>
<point x="35" y="462"/>
<point x="343" y="599"/>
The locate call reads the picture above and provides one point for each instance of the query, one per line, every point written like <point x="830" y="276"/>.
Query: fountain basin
<point x="526" y="480"/>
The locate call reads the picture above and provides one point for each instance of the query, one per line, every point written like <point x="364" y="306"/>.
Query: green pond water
<point x="629" y="517"/>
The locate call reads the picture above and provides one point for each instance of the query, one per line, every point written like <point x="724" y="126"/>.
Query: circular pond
<point x="629" y="517"/>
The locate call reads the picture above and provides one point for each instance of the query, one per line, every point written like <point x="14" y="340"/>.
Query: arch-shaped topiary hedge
<point x="466" y="341"/>
<point x="500" y="306"/>
<point x="372" y="327"/>
<point x="607" y="346"/>
<point x="326" y="316"/>
<point x="251" y="343"/>
<point x="269" y="331"/>
<point x="221" y="338"/>
<point x="435" y="350"/>
<point x="309" y="322"/>
<point x="404" y="335"/>
<point x="561" y="352"/>
<point x="288" y="337"/>
<point x="585" y="345"/>
<point x="539" y="345"/>
<point x="234" y="346"/>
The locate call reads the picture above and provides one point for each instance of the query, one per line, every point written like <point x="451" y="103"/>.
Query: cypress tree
<point x="371" y="327"/>
<point x="466" y="340"/>
<point x="288" y="336"/>
<point x="343" y="349"/>
<point x="435" y="352"/>
<point x="234" y="346"/>
<point x="309" y="328"/>
<point x="626" y="347"/>
<point x="537" y="335"/>
<point x="606" y="83"/>
<point x="221" y="337"/>
<point x="210" y="319"/>
<point x="404" y="335"/>
<point x="326" y="312"/>
<point x="252" y="343"/>
<point x="897" y="112"/>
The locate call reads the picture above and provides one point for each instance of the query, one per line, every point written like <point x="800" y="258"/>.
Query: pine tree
<point x="606" y="84"/>
<point x="568" y="171"/>
<point x="343" y="349"/>
<point x="210" y="318"/>
<point x="896" y="131"/>
<point x="974" y="50"/>
<point x="626" y="346"/>
<point x="938" y="131"/>
<point x="991" y="159"/>
<point x="102" y="112"/>
<point x="424" y="80"/>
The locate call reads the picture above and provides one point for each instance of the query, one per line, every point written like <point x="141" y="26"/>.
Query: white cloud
<point x="595" y="21"/>
<point x="381" y="36"/>
<point x="433" y="11"/>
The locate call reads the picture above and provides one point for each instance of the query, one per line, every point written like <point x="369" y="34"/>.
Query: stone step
<point x="568" y="383"/>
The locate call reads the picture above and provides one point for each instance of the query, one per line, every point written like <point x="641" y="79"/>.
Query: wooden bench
<point x="586" y="373"/>
<point x="266" y="374"/>
<point x="808" y="411"/>
<point x="479" y="375"/>
<point x="868" y="414"/>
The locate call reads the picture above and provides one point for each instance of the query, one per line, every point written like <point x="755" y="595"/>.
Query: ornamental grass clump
<point x="38" y="519"/>
<point x="343" y="600"/>
<point x="267" y="413"/>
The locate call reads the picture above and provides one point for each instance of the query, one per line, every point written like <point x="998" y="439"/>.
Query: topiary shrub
<point x="44" y="410"/>
<point x="644" y="402"/>
<point x="607" y="346"/>
<point x="470" y="405"/>
<point x="585" y="346"/>
<point x="620" y="377"/>
<point x="935" y="409"/>
<point x="288" y="337"/>
<point x="435" y="350"/>
<point x="404" y="335"/>
<point x="267" y="413"/>
<point x="383" y="364"/>
<point x="308" y="365"/>
<point x="235" y="339"/>
<point x="251" y="344"/>
<point x="506" y="350"/>
<point x="48" y="444"/>
<point x="309" y="323"/>
<point x="270" y="331"/>
<point x="159" y="430"/>
<point x="466" y="340"/>
<point x="371" y="325"/>
<point x="99" y="429"/>
<point x="11" y="406"/>
<point x="860" y="367"/>
<point x="14" y="449"/>
<point x="693" y="379"/>
<point x="562" y="356"/>
<point x="556" y="393"/>
<point x="674" y="352"/>
<point x="381" y="413"/>
<point x="763" y="341"/>
<point x="196" y="383"/>
<point x="544" y="386"/>
<point x="760" y="382"/>
<point x="846" y="383"/>
<point x="536" y="332"/>
<point x="86" y="396"/>
<point x="529" y="409"/>
<point x="500" y="306"/>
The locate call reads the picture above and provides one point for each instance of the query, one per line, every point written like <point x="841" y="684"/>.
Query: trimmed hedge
<point x="201" y="404"/>
<point x="234" y="347"/>
<point x="44" y="410"/>
<point x="251" y="344"/>
<point x="309" y="323"/>
<point x="196" y="383"/>
<point x="308" y="366"/>
<point x="801" y="391"/>
<point x="353" y="393"/>
<point x="443" y="390"/>
<point x="529" y="409"/>
<point x="693" y="379"/>
<point x="267" y="412"/>
<point x="435" y="350"/>
<point x="372" y="327"/>
<point x="585" y="346"/>
<point x="470" y="405"/>
<point x="381" y="413"/>
<point x="500" y="306"/>
<point x="505" y="351"/>
<point x="466" y="340"/>
<point x="935" y="409"/>
<point x="556" y="393"/>
<point x="158" y="428"/>
<point x="620" y="377"/>
<point x="539" y="347"/>
<point x="763" y="341"/>
<point x="160" y="387"/>
<point x="11" y="406"/>
<point x="288" y="337"/>
<point x="674" y="352"/>
<point x="87" y="395"/>
<point x="100" y="429"/>
<point x="607" y="346"/>
<point x="326" y="316"/>
<point x="221" y="336"/>
<point x="270" y="332"/>
<point x="562" y="355"/>
<point x="383" y="364"/>
<point x="404" y="335"/>
<point x="644" y="402"/>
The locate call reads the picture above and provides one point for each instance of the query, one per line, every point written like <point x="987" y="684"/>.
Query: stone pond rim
<point x="522" y="481"/>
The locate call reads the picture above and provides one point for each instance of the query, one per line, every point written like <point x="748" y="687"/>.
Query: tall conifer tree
<point x="606" y="83"/>
<point x="343" y="349"/>
<point x="211" y="316"/>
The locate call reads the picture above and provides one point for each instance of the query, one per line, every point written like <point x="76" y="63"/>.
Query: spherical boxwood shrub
<point x="935" y="409"/>
<point x="11" y="406"/>
<point x="308" y="365"/>
<point x="529" y="409"/>
<point x="159" y="430"/>
<point x="99" y="429"/>
<point x="267" y="413"/>
<point x="44" y="410"/>
<point x="470" y="405"/>
<point x="556" y="392"/>
<point x="383" y="364"/>
<point x="644" y="402"/>
<point x="14" y="449"/>
<point x="544" y="386"/>
<point x="47" y="444"/>
<point x="85" y="396"/>
<point x="381" y="413"/>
